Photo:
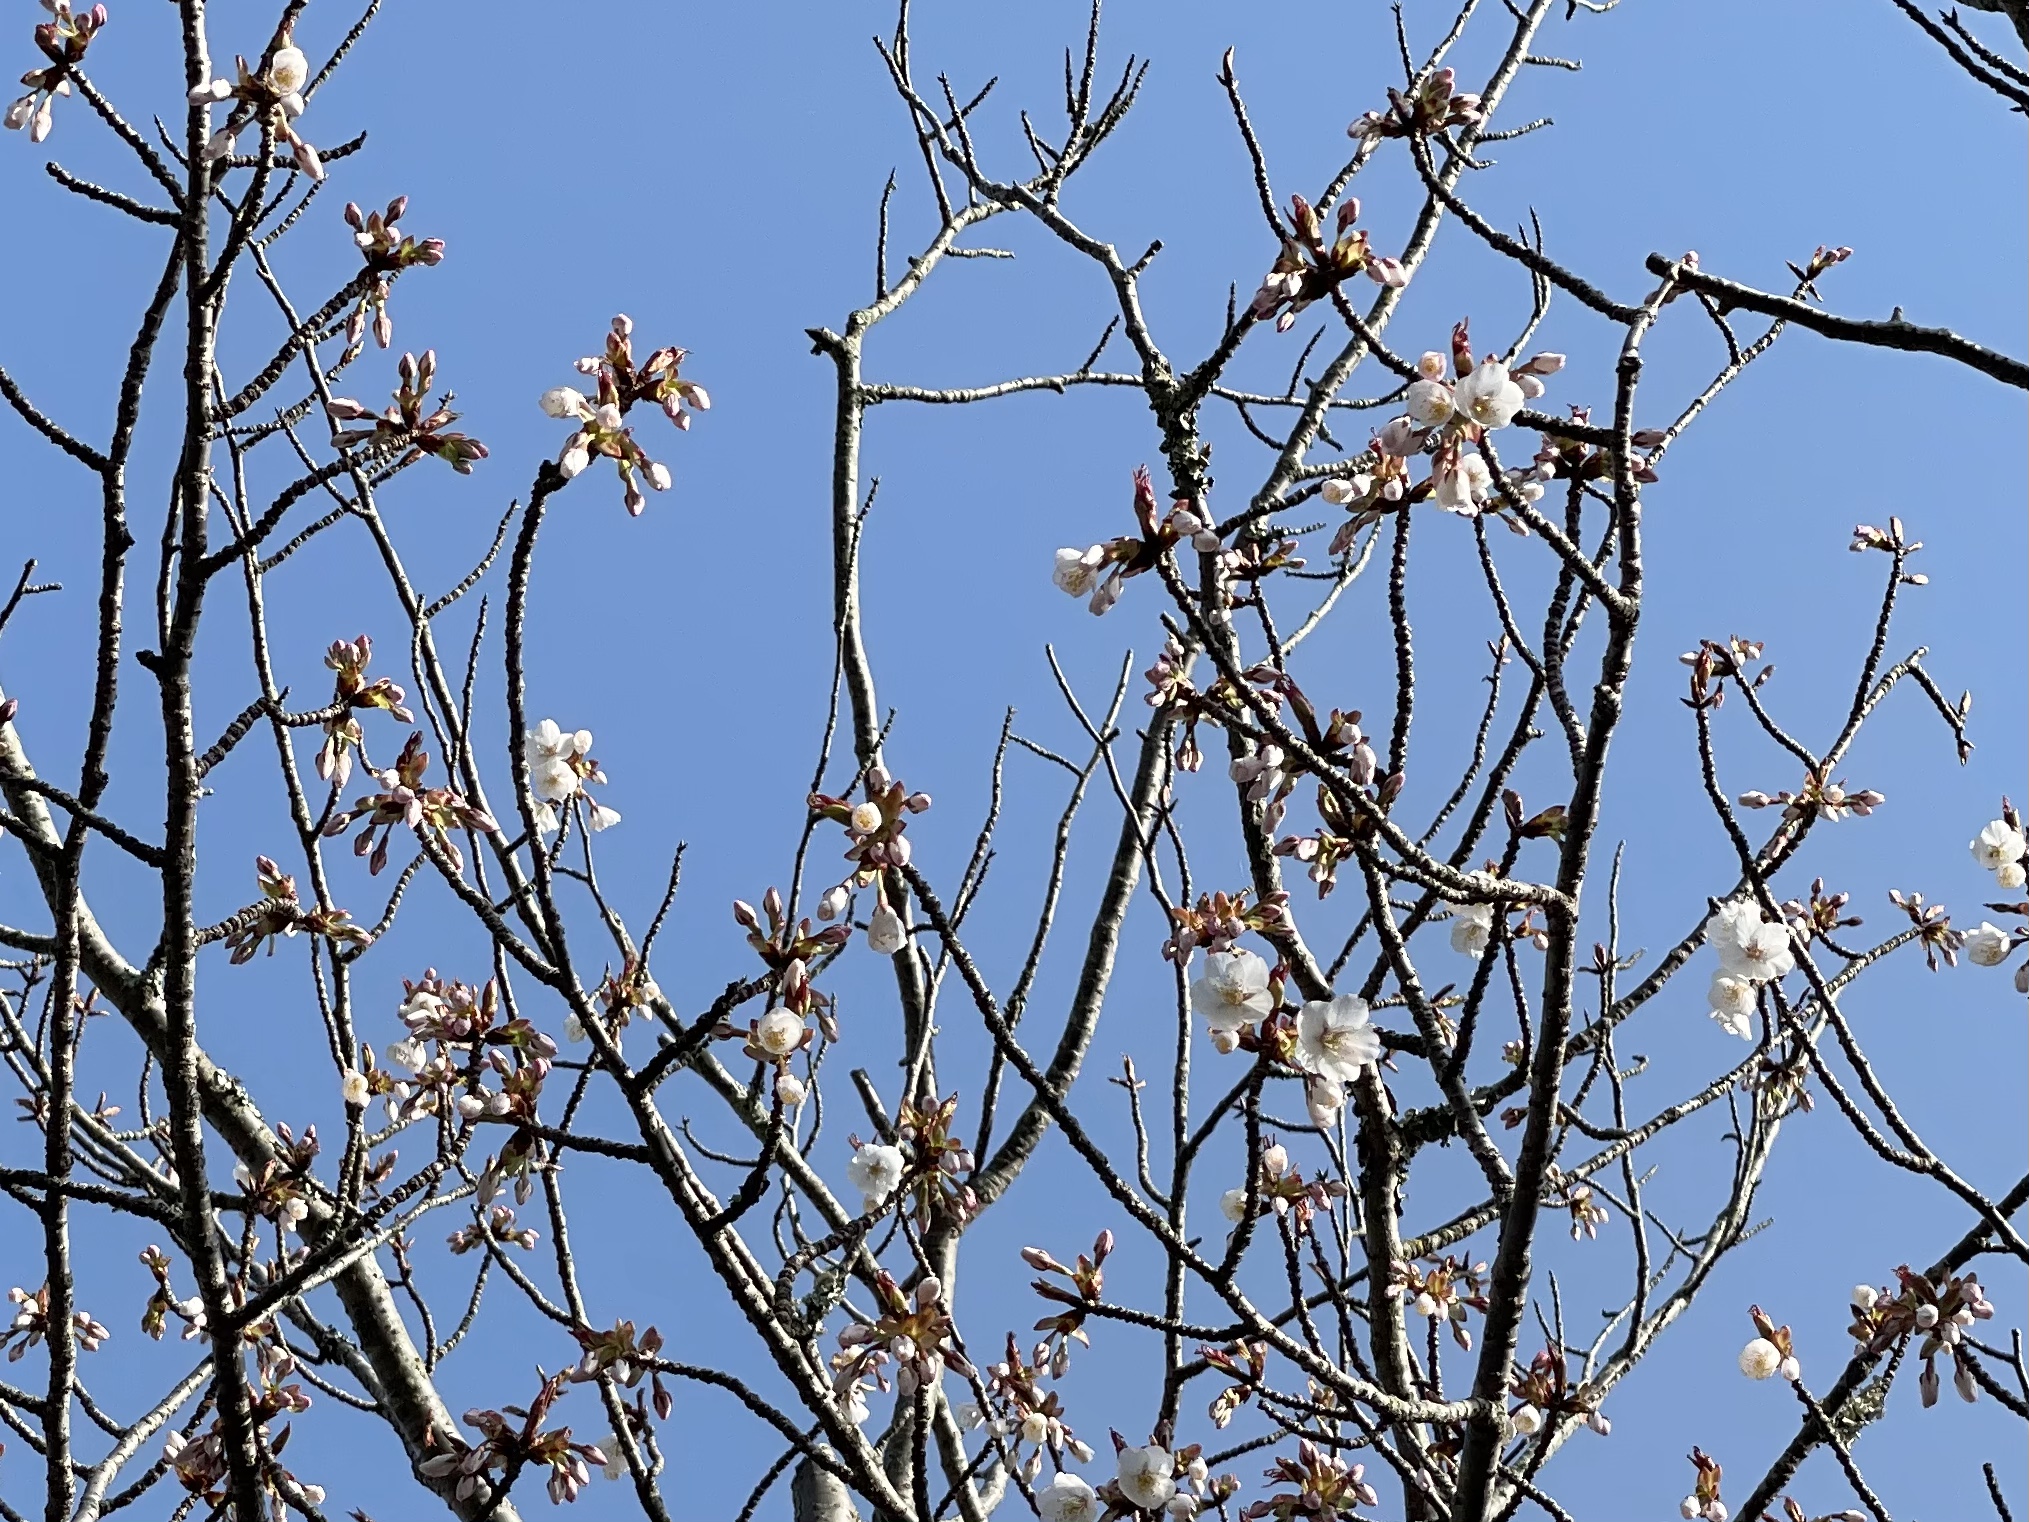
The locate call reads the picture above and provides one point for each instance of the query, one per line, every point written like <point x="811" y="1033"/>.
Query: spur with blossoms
<point x="63" y="40"/>
<point x="619" y="384"/>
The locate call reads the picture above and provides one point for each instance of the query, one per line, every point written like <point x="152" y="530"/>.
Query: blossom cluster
<point x="279" y="913"/>
<point x="1279" y="1188"/>
<point x="1027" y="1414"/>
<point x="1752" y="951"/>
<point x="387" y="251"/>
<point x="560" y="767"/>
<point x="1819" y="799"/>
<point x="790" y="952"/>
<point x="1445" y="1291"/>
<point x="63" y="40"/>
<point x="1099" y="572"/>
<point x="912" y="1331"/>
<point x="1939" y="1312"/>
<point x="619" y="383"/>
<point x="2002" y="849"/>
<point x="876" y="840"/>
<point x="435" y="813"/>
<point x="1330" y="1041"/>
<point x="1309" y="268"/>
<point x="517" y="1444"/>
<point x="1431" y="107"/>
<point x="404" y="429"/>
<point x="31" y="1324"/>
<point x="351" y="695"/>
<point x="270" y="97"/>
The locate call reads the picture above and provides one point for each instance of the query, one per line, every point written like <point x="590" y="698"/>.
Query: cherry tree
<point x="1382" y="1082"/>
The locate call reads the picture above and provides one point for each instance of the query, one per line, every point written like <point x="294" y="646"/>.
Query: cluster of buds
<point x="279" y="1190"/>
<point x="876" y="841"/>
<point x="1819" y="915"/>
<point x="1340" y="740"/>
<point x="1576" y="1196"/>
<point x="1028" y="1413"/>
<point x="1703" y="1503"/>
<point x="269" y="97"/>
<point x="875" y="830"/>
<point x="560" y="767"/>
<point x="1817" y="798"/>
<point x="1546" y="1394"/>
<point x="913" y="1331"/>
<point x="1893" y="541"/>
<point x="408" y="428"/>
<point x="1247" y="1364"/>
<point x="162" y="1301"/>
<point x="1445" y="1291"/>
<point x="1430" y="107"/>
<point x="1934" y="932"/>
<point x="387" y="252"/>
<point x="1780" y="1081"/>
<point x="1823" y="257"/>
<point x="1309" y="268"/>
<point x="513" y="1445"/>
<point x="1939" y="1313"/>
<point x="404" y="803"/>
<point x="789" y="950"/>
<point x="278" y="912"/>
<point x="1771" y="1351"/>
<point x="1085" y="1286"/>
<point x="63" y="40"/>
<point x="31" y="1324"/>
<point x="1158" y="1481"/>
<point x="1219" y="920"/>
<point x="601" y="417"/>
<point x="939" y="1160"/>
<point x="456" y="1037"/>
<point x="199" y="1463"/>
<point x="351" y="695"/>
<point x="1100" y="571"/>
<point x="1280" y="1189"/>
<point x="623" y="996"/>
<point x="496" y="1226"/>
<point x="623" y="1357"/>
<point x="1714" y="661"/>
<point x="1326" y="1488"/>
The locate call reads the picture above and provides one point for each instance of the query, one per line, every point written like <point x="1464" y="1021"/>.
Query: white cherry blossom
<point x="1999" y="845"/>
<point x="1067" y="1498"/>
<point x="1733" y="1003"/>
<point x="1989" y="945"/>
<point x="875" y="1171"/>
<point x="1232" y="994"/>
<point x="1146" y="1477"/>
<point x="1472" y="927"/>
<point x="1335" y="1038"/>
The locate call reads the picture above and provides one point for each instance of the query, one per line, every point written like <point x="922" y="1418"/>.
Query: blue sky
<point x="714" y="172"/>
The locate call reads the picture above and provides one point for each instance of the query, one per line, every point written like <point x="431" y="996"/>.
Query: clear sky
<point x="714" y="172"/>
